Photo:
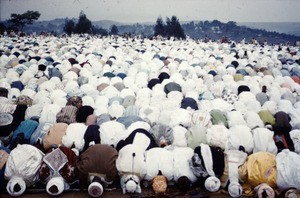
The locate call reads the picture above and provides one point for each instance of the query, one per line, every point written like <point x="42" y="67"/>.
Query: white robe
<point x="159" y="159"/>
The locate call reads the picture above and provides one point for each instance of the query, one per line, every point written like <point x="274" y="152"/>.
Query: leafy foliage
<point x="171" y="29"/>
<point x="2" y="27"/>
<point x="69" y="27"/>
<point x="174" y="28"/>
<point x="114" y="30"/>
<point x="20" y="20"/>
<point x="99" y="31"/>
<point x="84" y="25"/>
<point x="159" y="28"/>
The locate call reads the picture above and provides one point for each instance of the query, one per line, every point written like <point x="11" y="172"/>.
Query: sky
<point x="150" y="10"/>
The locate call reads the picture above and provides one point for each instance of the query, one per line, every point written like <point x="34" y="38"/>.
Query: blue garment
<point x="172" y="86"/>
<point x="295" y="73"/>
<point x="242" y="71"/>
<point x="121" y="75"/>
<point x="23" y="132"/>
<point x="40" y="132"/>
<point x="131" y="110"/>
<point x="128" y="120"/>
<point x="17" y="84"/>
<point x="92" y="134"/>
<point x="212" y="72"/>
<point x="153" y="82"/>
<point x="243" y="88"/>
<point x="285" y="72"/>
<point x="130" y="138"/>
<point x="54" y="72"/>
<point x="109" y="74"/>
<point x="49" y="59"/>
<point x="189" y="102"/>
<point x="162" y="76"/>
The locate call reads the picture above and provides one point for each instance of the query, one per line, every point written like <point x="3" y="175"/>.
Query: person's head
<point x="55" y="186"/>
<point x="184" y="183"/>
<point x="130" y="184"/>
<point x="3" y="92"/>
<point x="95" y="189"/>
<point x="212" y="184"/>
<point x="16" y="186"/>
<point x="235" y="190"/>
<point x="159" y="184"/>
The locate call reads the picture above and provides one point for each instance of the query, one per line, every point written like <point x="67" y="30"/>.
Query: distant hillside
<point x="55" y="25"/>
<point x="216" y="30"/>
<point x="281" y="27"/>
<point x="271" y="32"/>
<point x="106" y="24"/>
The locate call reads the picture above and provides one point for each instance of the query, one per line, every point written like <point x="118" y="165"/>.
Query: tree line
<point x="84" y="25"/>
<point x="172" y="27"/>
<point x="17" y="22"/>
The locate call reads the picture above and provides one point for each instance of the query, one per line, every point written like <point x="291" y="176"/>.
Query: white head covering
<point x="24" y="161"/>
<point x="150" y="114"/>
<point x="112" y="132"/>
<point x="288" y="170"/>
<point x="212" y="184"/>
<point x="235" y="159"/>
<point x="180" y="117"/>
<point x="164" y="163"/>
<point x="95" y="189"/>
<point x="116" y="110"/>
<point x="253" y="120"/>
<point x="179" y="136"/>
<point x="74" y="135"/>
<point x="217" y="135"/>
<point x="130" y="186"/>
<point x="131" y="159"/>
<point x="15" y="180"/>
<point x="182" y="156"/>
<point x="235" y="118"/>
<point x="235" y="189"/>
<point x="138" y="125"/>
<point x="263" y="141"/>
<point x="130" y="183"/>
<point x="58" y="182"/>
<point x="240" y="135"/>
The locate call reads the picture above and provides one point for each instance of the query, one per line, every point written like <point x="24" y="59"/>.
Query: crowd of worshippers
<point x="99" y="113"/>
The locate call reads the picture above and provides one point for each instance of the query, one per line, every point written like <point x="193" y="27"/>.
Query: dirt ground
<point x="146" y="193"/>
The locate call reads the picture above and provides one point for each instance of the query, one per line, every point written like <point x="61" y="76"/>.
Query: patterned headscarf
<point x="75" y="101"/>
<point x="24" y="100"/>
<point x="159" y="184"/>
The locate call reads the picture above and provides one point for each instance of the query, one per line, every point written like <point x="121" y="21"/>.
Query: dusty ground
<point x="146" y="192"/>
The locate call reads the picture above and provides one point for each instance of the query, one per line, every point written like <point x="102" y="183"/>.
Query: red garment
<point x="60" y="161"/>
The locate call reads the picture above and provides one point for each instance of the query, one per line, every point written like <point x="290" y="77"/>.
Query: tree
<point x="231" y="23"/>
<point x="174" y="28"/>
<point x="99" y="30"/>
<point x="114" y="30"/>
<point x="2" y="28"/>
<point x="69" y="27"/>
<point x="20" y="20"/>
<point x="159" y="28"/>
<point x="84" y="25"/>
<point x="216" y="23"/>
